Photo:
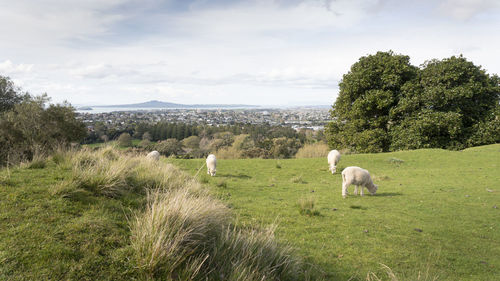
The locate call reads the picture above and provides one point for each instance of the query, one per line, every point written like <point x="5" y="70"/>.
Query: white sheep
<point x="153" y="155"/>
<point x="333" y="159"/>
<point x="358" y="177"/>
<point x="211" y="165"/>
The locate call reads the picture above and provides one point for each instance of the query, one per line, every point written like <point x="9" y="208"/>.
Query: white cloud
<point x="467" y="9"/>
<point x="8" y="68"/>
<point x="252" y="52"/>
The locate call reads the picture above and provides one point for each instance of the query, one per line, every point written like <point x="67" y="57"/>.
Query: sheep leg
<point x="355" y="190"/>
<point x="361" y="191"/>
<point x="344" y="190"/>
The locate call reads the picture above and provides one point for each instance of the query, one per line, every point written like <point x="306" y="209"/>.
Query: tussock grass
<point x="307" y="206"/>
<point x="108" y="172"/>
<point x="175" y="225"/>
<point x="38" y="162"/>
<point x="188" y="236"/>
<point x="297" y="179"/>
<point x="313" y="150"/>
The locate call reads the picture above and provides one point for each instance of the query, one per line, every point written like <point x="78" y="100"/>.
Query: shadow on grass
<point x="239" y="176"/>
<point x="388" y="194"/>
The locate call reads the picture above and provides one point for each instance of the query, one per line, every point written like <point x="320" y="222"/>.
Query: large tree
<point x="10" y="95"/>
<point x="387" y="104"/>
<point x="368" y="92"/>
<point x="452" y="104"/>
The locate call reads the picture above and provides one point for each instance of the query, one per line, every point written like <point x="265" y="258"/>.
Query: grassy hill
<point x="105" y="215"/>
<point x="436" y="213"/>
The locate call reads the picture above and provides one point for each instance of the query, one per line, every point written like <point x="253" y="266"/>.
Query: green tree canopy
<point x="125" y="140"/>
<point x="10" y="95"/>
<point x="445" y="106"/>
<point x="32" y="127"/>
<point x="367" y="94"/>
<point x="387" y="104"/>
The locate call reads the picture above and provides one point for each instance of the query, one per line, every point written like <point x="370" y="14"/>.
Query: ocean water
<point x="112" y="109"/>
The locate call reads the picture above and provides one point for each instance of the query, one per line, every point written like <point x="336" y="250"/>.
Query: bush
<point x="314" y="150"/>
<point x="125" y="140"/>
<point x="169" y="147"/>
<point x="31" y="127"/>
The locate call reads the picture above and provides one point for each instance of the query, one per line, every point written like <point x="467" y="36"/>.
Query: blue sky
<point x="254" y="52"/>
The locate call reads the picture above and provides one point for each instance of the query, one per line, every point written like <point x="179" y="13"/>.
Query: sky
<point x="274" y="52"/>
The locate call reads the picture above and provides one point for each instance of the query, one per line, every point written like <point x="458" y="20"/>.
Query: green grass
<point x="107" y="215"/>
<point x="434" y="211"/>
<point x="44" y="236"/>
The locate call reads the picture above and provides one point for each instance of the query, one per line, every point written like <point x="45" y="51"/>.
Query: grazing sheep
<point x="211" y="165"/>
<point x="153" y="155"/>
<point x="333" y="159"/>
<point x="358" y="177"/>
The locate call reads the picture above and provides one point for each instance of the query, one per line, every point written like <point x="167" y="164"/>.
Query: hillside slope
<point x="101" y="214"/>
<point x="436" y="211"/>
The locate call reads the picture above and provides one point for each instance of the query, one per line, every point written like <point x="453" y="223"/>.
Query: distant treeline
<point x="165" y="130"/>
<point x="229" y="141"/>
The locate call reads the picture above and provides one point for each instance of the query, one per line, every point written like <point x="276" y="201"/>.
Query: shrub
<point x="228" y="153"/>
<point x="31" y="126"/>
<point x="169" y="147"/>
<point x="125" y="140"/>
<point x="314" y="150"/>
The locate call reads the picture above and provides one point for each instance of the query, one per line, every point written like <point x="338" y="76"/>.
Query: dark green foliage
<point x="386" y="104"/>
<point x="452" y="104"/>
<point x="125" y="140"/>
<point x="284" y="147"/>
<point x="10" y="95"/>
<point x="30" y="128"/>
<point x="367" y="93"/>
<point x="169" y="147"/>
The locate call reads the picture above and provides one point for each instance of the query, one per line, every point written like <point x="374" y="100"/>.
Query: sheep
<point x="333" y="159"/>
<point x="358" y="177"/>
<point x="211" y="165"/>
<point x="153" y="155"/>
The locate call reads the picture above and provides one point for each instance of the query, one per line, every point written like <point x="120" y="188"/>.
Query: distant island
<point x="161" y="104"/>
<point x="84" y="108"/>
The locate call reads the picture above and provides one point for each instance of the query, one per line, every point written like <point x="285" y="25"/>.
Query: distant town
<point x="297" y="118"/>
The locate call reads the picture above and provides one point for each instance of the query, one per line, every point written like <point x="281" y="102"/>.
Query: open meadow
<point x="435" y="216"/>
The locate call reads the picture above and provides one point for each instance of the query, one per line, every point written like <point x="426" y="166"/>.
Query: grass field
<point x="44" y="236"/>
<point x="436" y="213"/>
<point x="102" y="214"/>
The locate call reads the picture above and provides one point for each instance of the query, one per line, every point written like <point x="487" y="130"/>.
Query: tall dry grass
<point x="313" y="150"/>
<point x="108" y="172"/>
<point x="391" y="276"/>
<point x="182" y="233"/>
<point x="173" y="229"/>
<point x="186" y="236"/>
